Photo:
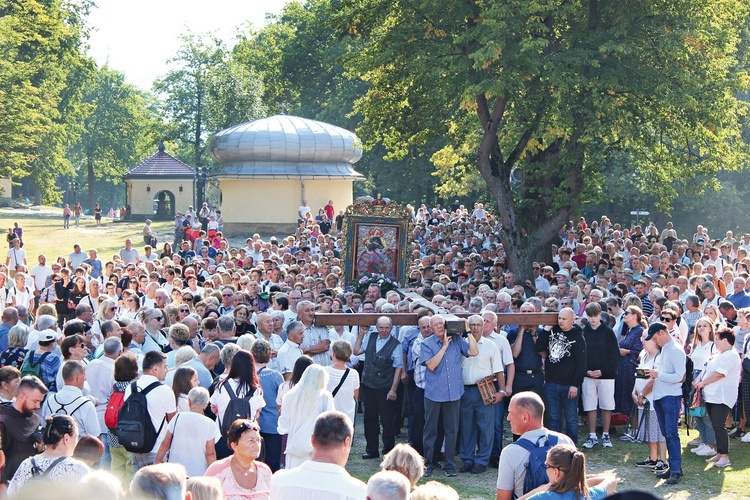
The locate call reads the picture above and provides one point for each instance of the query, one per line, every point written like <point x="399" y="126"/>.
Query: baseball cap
<point x="47" y="335"/>
<point x="654" y="329"/>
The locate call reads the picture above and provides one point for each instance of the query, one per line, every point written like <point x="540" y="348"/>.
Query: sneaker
<point x="590" y="442"/>
<point x="695" y="442"/>
<point x="648" y="463"/>
<point x="606" y="442"/>
<point x="660" y="467"/>
<point x="736" y="433"/>
<point x="723" y="462"/>
<point x="707" y="452"/>
<point x="627" y="437"/>
<point x="702" y="447"/>
<point x="451" y="473"/>
<point x="427" y="471"/>
<point x="746" y="438"/>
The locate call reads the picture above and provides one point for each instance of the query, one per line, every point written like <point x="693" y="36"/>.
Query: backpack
<point x="37" y="472"/>
<point x="237" y="408"/>
<point x="62" y="410"/>
<point x="111" y="414"/>
<point x="134" y="430"/>
<point x="30" y="368"/>
<point x="536" y="472"/>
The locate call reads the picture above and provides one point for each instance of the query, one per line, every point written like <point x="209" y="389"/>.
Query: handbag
<point x="696" y="407"/>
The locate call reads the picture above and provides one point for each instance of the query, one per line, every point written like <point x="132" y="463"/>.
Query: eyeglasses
<point x="666" y="319"/>
<point x="627" y="312"/>
<point x="226" y="294"/>
<point x="185" y="310"/>
<point x="159" y="318"/>
<point x="112" y="309"/>
<point x="548" y="466"/>
<point x="189" y="298"/>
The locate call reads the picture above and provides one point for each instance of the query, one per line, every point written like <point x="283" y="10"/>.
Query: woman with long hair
<point x="241" y="382"/>
<point x="566" y="471"/>
<point x="107" y="311"/>
<point x="185" y="378"/>
<point x="153" y="321"/>
<point x="79" y="290"/>
<point x="166" y="251"/>
<point x="703" y="347"/>
<point x="55" y="463"/>
<point x="630" y="348"/>
<point x="300" y="408"/>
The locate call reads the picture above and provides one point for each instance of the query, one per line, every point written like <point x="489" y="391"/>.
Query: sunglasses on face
<point x="188" y="299"/>
<point x="184" y="310"/>
<point x="666" y="320"/>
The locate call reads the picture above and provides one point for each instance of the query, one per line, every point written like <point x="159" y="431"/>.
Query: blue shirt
<point x="406" y="344"/>
<point x="740" y="300"/>
<point x="270" y="380"/>
<point x="444" y="383"/>
<point x="380" y="343"/>
<point x="595" y="492"/>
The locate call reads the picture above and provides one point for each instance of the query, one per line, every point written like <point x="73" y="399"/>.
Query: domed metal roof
<point x="285" y="139"/>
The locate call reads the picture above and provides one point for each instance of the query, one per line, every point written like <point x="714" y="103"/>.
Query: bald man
<point x="565" y="351"/>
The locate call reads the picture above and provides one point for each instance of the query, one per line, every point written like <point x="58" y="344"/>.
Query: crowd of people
<point x="218" y="344"/>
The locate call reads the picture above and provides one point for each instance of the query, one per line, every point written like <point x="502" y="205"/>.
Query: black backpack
<point x="536" y="472"/>
<point x="135" y="431"/>
<point x="237" y="408"/>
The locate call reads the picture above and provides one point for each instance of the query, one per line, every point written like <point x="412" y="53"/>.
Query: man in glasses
<point x="227" y="305"/>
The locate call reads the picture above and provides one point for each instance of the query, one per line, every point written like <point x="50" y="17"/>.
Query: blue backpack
<point x="536" y="472"/>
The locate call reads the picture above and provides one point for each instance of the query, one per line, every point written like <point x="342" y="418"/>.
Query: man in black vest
<point x="20" y="426"/>
<point x="380" y="378"/>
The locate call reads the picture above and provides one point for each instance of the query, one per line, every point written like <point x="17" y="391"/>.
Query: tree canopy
<point x="556" y="89"/>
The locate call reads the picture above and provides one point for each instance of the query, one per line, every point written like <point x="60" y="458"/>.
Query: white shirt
<point x="40" y="274"/>
<point x="100" y="374"/>
<point x="276" y="344"/>
<point x="724" y="390"/>
<point x="77" y="406"/>
<point x="287" y="356"/>
<point x="504" y="346"/>
<point x="221" y="399"/>
<point x="344" y="398"/>
<point x="190" y="433"/>
<point x="302" y="211"/>
<point x="486" y="363"/>
<point x="160" y="402"/>
<point x="316" y="481"/>
<point x="314" y="335"/>
<point x="15" y="256"/>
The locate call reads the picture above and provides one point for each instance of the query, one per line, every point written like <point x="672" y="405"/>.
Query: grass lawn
<point x="43" y="233"/>
<point x="701" y="480"/>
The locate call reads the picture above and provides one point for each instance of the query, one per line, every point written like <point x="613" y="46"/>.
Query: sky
<point x="137" y="37"/>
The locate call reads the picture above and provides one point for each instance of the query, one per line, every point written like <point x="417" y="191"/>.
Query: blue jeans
<point x="705" y="429"/>
<point x="668" y="414"/>
<point x="557" y="400"/>
<point x="477" y="421"/>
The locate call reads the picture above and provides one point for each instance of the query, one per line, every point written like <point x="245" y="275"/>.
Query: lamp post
<point x="73" y="186"/>
<point x="201" y="173"/>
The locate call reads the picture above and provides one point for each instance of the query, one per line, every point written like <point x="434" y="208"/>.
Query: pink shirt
<point x="222" y="470"/>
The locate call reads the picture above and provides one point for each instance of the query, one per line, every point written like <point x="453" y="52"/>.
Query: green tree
<point x="554" y="89"/>
<point x="184" y="91"/>
<point x="117" y="130"/>
<point x="42" y="67"/>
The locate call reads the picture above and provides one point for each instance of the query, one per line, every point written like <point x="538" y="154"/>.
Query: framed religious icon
<point x="375" y="238"/>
